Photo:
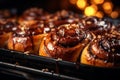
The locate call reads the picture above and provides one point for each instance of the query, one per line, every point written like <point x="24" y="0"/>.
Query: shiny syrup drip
<point x="21" y="35"/>
<point x="57" y="66"/>
<point x="112" y="47"/>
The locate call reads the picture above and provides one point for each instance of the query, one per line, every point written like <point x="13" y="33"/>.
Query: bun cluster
<point x="63" y="34"/>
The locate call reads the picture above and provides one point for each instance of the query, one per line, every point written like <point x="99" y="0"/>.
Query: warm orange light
<point x="98" y="1"/>
<point x="99" y="14"/>
<point x="108" y="11"/>
<point x="114" y="14"/>
<point x="95" y="7"/>
<point x="81" y="4"/>
<point x="90" y="11"/>
<point x="107" y="6"/>
<point x="73" y="1"/>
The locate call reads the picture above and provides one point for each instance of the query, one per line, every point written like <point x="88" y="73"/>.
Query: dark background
<point x="49" y="5"/>
<point x="20" y="5"/>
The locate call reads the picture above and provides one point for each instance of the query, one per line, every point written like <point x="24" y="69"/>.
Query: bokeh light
<point x="114" y="14"/>
<point x="90" y="11"/>
<point x="81" y="4"/>
<point x="99" y="8"/>
<point x="107" y="6"/>
<point x="99" y="14"/>
<point x="73" y="1"/>
<point x="98" y="1"/>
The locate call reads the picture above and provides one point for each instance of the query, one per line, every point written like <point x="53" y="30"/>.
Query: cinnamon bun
<point x="8" y="15"/>
<point x="32" y="14"/>
<point x="64" y="17"/>
<point x="66" y="42"/>
<point x="102" y="51"/>
<point x="32" y="33"/>
<point x="20" y="41"/>
<point x="96" y="25"/>
<point x="6" y="29"/>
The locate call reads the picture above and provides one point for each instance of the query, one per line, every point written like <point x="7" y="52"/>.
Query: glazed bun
<point x="62" y="34"/>
<point x="30" y="36"/>
<point x="103" y="51"/>
<point x="20" y="41"/>
<point x="96" y="25"/>
<point x="66" y="42"/>
<point x="32" y="14"/>
<point x="8" y="15"/>
<point x="6" y="29"/>
<point x="64" y="17"/>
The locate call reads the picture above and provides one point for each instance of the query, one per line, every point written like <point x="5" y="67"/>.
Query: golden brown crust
<point x="66" y="42"/>
<point x="32" y="32"/>
<point x="42" y="51"/>
<point x="86" y="58"/>
<point x="63" y="34"/>
<point x="102" y="52"/>
<point x="37" y="41"/>
<point x="23" y="44"/>
<point x="96" y="25"/>
<point x="32" y="14"/>
<point x="4" y="40"/>
<point x="6" y="29"/>
<point x="8" y="15"/>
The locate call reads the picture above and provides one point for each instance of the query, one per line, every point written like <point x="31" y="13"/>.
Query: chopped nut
<point x="113" y="49"/>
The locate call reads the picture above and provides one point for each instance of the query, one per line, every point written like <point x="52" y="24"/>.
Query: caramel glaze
<point x="66" y="42"/>
<point x="30" y="36"/>
<point x="96" y="25"/>
<point x="37" y="27"/>
<point x="8" y="26"/>
<point x="33" y="14"/>
<point x="6" y="29"/>
<point x="67" y="21"/>
<point x="64" y="17"/>
<point x="105" y="49"/>
<point x="7" y="15"/>
<point x="116" y="30"/>
<point x="64" y="14"/>
<point x="20" y="41"/>
<point x="54" y="19"/>
<point x="58" y="18"/>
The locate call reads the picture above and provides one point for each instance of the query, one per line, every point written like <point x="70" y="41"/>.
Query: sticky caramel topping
<point x="33" y="14"/>
<point x="106" y="48"/>
<point x="96" y="25"/>
<point x="111" y="45"/>
<point x="36" y="27"/>
<point x="5" y="14"/>
<point x="8" y="26"/>
<point x="68" y="35"/>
